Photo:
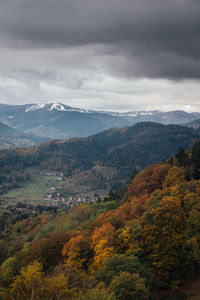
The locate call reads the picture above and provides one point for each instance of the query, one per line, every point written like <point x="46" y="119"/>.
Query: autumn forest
<point x="141" y="242"/>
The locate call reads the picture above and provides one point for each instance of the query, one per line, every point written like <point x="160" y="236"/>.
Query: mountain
<point x="194" y="124"/>
<point x="142" y="243"/>
<point x="101" y="161"/>
<point x="10" y="138"/>
<point x="59" y="121"/>
<point x="170" y="117"/>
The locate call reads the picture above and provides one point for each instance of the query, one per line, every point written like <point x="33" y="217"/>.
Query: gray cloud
<point x="108" y="54"/>
<point x="149" y="38"/>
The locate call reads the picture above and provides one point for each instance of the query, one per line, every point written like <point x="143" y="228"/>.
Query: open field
<point x="34" y="190"/>
<point x="41" y="182"/>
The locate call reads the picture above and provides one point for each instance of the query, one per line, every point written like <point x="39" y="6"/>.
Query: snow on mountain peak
<point x="62" y="107"/>
<point x="55" y="106"/>
<point x="35" y="107"/>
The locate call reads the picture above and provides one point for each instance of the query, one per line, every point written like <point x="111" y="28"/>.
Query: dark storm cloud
<point x="136" y="38"/>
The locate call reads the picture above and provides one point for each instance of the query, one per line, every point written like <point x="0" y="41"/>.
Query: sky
<point x="115" y="55"/>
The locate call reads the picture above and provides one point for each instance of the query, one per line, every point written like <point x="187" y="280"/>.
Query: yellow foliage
<point x="175" y="176"/>
<point x="126" y="235"/>
<point x="57" y="286"/>
<point x="28" y="284"/>
<point x="102" y="252"/>
<point x="102" y="243"/>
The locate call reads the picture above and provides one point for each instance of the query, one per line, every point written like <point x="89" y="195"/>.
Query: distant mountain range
<point x="59" y="121"/>
<point x="11" y="138"/>
<point x="194" y="124"/>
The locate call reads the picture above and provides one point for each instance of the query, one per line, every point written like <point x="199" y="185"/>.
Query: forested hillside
<point x="103" y="160"/>
<point x="140" y="244"/>
<point x="11" y="138"/>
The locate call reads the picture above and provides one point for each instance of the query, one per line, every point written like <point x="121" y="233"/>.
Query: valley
<point x="11" y="138"/>
<point x="118" y="206"/>
<point x="99" y="150"/>
<point x="90" y="166"/>
<point x="50" y="189"/>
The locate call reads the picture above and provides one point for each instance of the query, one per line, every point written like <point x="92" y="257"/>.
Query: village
<point x="55" y="195"/>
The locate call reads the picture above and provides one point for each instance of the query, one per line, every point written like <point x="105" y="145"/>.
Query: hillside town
<point x="55" y="196"/>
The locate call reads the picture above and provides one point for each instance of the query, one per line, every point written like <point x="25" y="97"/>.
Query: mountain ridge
<point x="11" y="138"/>
<point x="60" y="121"/>
<point x="194" y="124"/>
<point x="104" y="160"/>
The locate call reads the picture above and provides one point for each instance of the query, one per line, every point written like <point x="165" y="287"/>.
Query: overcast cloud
<point x="108" y="54"/>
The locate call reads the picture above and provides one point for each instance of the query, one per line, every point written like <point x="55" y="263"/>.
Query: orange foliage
<point x="138" y="204"/>
<point x="43" y="219"/>
<point x="121" y="215"/>
<point x="102" y="217"/>
<point x="77" y="251"/>
<point x="149" y="179"/>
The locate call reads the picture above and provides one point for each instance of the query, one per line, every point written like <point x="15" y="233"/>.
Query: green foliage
<point x="119" y="263"/>
<point x="100" y="292"/>
<point x="8" y="270"/>
<point x="128" y="286"/>
<point x="181" y="158"/>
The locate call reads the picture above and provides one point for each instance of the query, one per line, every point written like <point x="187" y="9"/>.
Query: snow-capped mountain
<point x="54" y="106"/>
<point x="57" y="120"/>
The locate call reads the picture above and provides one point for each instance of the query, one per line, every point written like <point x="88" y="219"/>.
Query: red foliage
<point x="149" y="179"/>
